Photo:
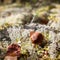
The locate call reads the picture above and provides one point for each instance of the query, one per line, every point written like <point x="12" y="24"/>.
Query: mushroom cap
<point x="13" y="50"/>
<point x="36" y="37"/>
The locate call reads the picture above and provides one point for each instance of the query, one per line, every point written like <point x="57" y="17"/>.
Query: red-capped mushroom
<point x="36" y="37"/>
<point x="13" y="50"/>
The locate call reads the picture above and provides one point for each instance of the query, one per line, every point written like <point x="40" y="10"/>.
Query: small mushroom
<point x="36" y="37"/>
<point x="14" y="50"/>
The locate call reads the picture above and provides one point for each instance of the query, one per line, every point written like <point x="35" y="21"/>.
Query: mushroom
<point x="36" y="37"/>
<point x="13" y="50"/>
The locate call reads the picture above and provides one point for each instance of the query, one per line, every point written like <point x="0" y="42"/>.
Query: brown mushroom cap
<point x="13" y="50"/>
<point x="37" y="38"/>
